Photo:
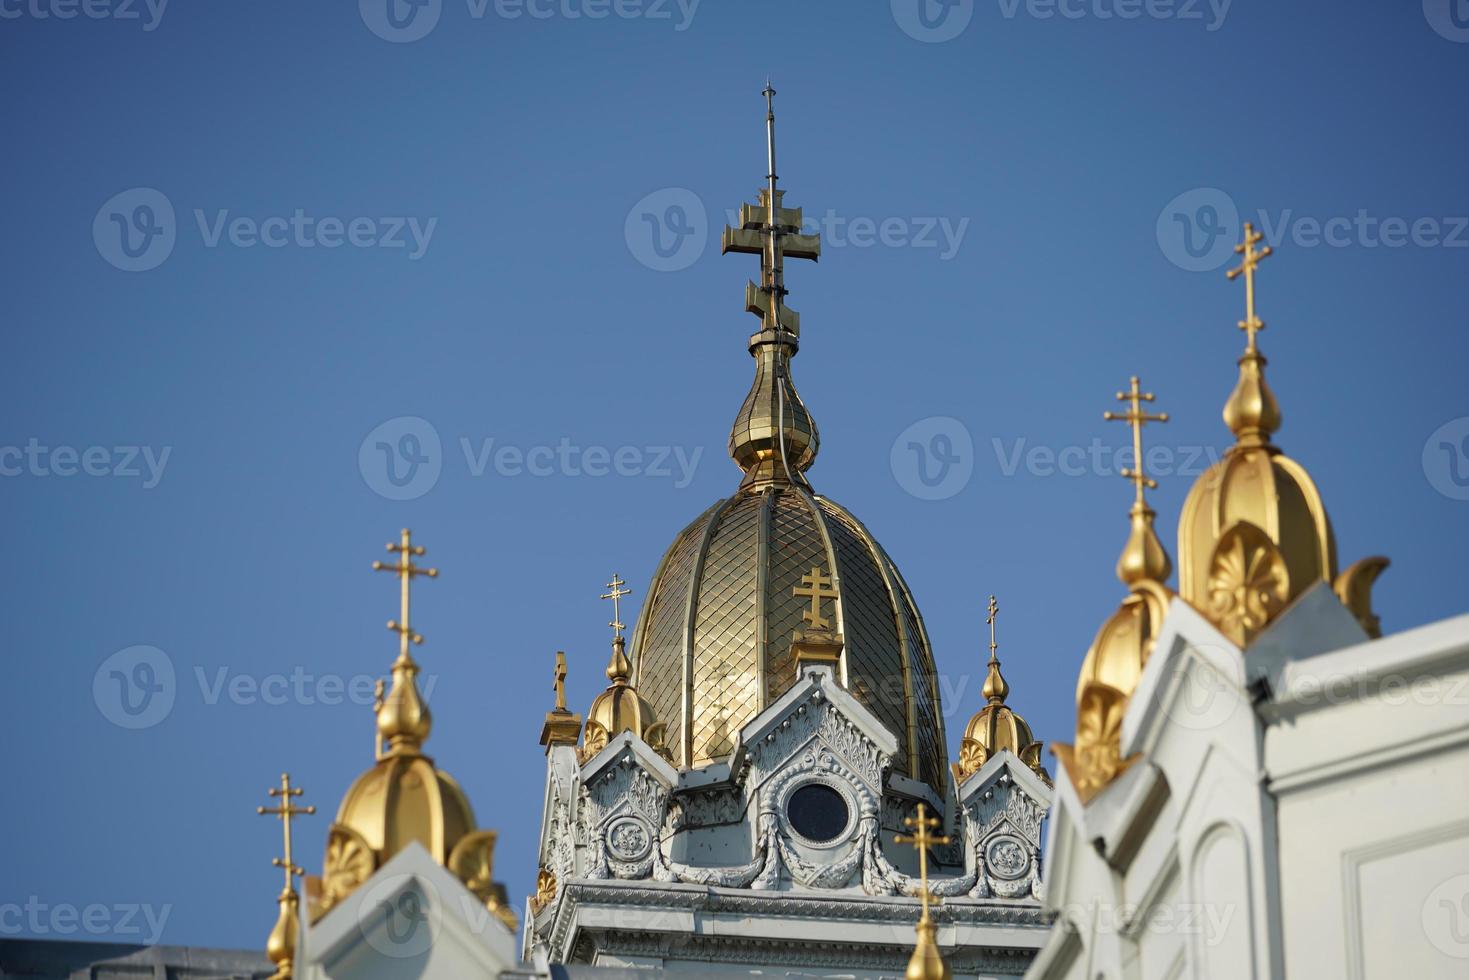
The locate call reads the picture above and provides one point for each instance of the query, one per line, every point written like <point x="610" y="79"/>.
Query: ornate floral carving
<point x="350" y="861"/>
<point x="1248" y="582"/>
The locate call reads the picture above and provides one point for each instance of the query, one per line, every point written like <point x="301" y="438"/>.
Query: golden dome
<point x="1254" y="533"/>
<point x="620" y="709"/>
<point x="404" y="797"/>
<point x="722" y="612"/>
<point x="996" y="726"/>
<point x="1115" y="660"/>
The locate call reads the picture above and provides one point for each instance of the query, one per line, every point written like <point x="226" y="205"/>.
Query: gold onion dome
<point x="404" y="797"/>
<point x="1115" y="660"/>
<point x="1254" y="533"/>
<point x="714" y="641"/>
<point x="996" y="726"/>
<point x="620" y="709"/>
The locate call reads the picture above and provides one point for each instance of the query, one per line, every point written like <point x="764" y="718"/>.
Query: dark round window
<point x="817" y="812"/>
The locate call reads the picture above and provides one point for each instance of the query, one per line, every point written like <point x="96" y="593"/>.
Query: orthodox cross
<point x="772" y="232"/>
<point x="990" y="619"/>
<point x="1137" y="418"/>
<point x="1251" y="324"/>
<point x="560" y="686"/>
<point x="404" y="568"/>
<point x="615" y="592"/>
<point x="922" y="840"/>
<point x="285" y="793"/>
<point x="815" y="588"/>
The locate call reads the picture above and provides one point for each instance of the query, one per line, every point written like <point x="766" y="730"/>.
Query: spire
<point x="927" y="963"/>
<point x="995" y="687"/>
<point x="1251" y="413"/>
<point x="402" y="717"/>
<point x="1143" y="557"/>
<point x="280" y="947"/>
<point x="774" y="438"/>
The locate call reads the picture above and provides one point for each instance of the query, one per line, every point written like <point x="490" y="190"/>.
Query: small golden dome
<point x="620" y="709"/>
<point x="996" y="726"/>
<point x="1254" y="533"/>
<point x="406" y="798"/>
<point x="927" y="963"/>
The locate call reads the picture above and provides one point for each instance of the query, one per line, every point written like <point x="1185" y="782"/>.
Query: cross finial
<point x="814" y="586"/>
<point x="994" y="609"/>
<point x="922" y="840"/>
<point x="615" y="592"/>
<point x="285" y="793"/>
<point x="1251" y="324"/>
<point x="404" y="568"/>
<point x="1137" y="418"/>
<point x="560" y="685"/>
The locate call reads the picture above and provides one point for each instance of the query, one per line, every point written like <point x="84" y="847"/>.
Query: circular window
<point x="817" y="812"/>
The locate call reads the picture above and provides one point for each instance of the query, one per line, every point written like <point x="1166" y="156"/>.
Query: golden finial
<point x="1251" y="324"/>
<point x="926" y="962"/>
<point x="406" y="571"/>
<point x="280" y="947"/>
<point x="615" y="592"/>
<point x="995" y="687"/>
<point x="773" y="437"/>
<point x="1143" y="557"/>
<point x="402" y="717"/>
<point x="379" y="687"/>
<point x="560" y="684"/>
<point x="1251" y="412"/>
<point x="814" y="586"/>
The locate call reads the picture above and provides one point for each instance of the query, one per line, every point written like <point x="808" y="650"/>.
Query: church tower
<point x="739" y="796"/>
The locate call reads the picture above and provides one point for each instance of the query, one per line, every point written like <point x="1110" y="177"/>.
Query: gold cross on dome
<point x="922" y="840"/>
<point x="1137" y="418"/>
<point x="285" y="793"/>
<point x="615" y="592"/>
<point x="1251" y="324"/>
<point x="404" y="568"/>
<point x="815" y="588"/>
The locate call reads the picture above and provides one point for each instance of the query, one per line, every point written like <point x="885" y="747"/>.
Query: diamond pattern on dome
<point x="725" y="672"/>
<point x="932" y="752"/>
<point x="874" y="655"/>
<point x="659" y="655"/>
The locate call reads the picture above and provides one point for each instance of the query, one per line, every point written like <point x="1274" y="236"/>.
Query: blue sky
<point x="1024" y="204"/>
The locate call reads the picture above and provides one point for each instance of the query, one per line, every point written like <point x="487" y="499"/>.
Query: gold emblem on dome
<point x="280" y="946"/>
<point x="1115" y="661"/>
<point x="1248" y="582"/>
<point x="1225" y="570"/>
<point x="926" y="963"/>
<point x="545" y="890"/>
<point x="996" y="727"/>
